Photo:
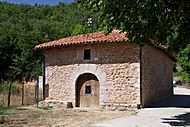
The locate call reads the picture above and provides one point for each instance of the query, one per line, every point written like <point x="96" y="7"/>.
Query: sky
<point x="49" y="2"/>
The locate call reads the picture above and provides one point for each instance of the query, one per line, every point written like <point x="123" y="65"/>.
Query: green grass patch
<point x="7" y="108"/>
<point x="45" y="107"/>
<point x="4" y="109"/>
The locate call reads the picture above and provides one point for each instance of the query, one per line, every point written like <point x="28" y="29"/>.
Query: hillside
<point x="24" y="26"/>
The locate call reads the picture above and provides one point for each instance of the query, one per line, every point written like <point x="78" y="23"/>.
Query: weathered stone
<point x="157" y="70"/>
<point x="117" y="68"/>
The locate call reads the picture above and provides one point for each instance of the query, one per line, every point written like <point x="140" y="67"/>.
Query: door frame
<point x="77" y="89"/>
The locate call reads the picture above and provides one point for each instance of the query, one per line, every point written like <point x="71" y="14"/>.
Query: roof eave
<point x="77" y="44"/>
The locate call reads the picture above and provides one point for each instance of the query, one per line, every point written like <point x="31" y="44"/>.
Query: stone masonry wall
<point x="117" y="67"/>
<point x="157" y="71"/>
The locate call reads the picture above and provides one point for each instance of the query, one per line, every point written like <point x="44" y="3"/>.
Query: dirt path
<point x="171" y="112"/>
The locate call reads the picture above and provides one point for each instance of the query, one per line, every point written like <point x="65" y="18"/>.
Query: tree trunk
<point x="23" y="93"/>
<point x="9" y="94"/>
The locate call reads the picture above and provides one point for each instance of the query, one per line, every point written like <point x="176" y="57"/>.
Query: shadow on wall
<point x="180" y="101"/>
<point x="178" y="120"/>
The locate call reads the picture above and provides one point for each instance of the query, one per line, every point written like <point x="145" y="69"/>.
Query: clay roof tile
<point x="114" y="36"/>
<point x="97" y="37"/>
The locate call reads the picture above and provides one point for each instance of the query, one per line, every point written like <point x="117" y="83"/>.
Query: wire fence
<point x="21" y="93"/>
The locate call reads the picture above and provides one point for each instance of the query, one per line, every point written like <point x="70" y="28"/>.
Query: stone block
<point x="113" y="68"/>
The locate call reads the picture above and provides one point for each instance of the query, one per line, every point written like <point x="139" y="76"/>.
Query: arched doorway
<point x="87" y="91"/>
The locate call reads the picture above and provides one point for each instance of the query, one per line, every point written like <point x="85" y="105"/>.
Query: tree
<point x="163" y="22"/>
<point x="24" y="26"/>
<point x="79" y="29"/>
<point x="184" y="60"/>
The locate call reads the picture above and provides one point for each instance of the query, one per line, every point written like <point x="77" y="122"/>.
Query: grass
<point x="45" y="107"/>
<point x="4" y="109"/>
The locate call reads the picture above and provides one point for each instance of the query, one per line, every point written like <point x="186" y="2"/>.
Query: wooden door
<point x="87" y="92"/>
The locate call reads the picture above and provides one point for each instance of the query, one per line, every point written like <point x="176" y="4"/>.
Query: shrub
<point x="184" y="60"/>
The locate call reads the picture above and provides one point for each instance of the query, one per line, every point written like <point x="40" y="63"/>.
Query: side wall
<point x="117" y="67"/>
<point x="157" y="75"/>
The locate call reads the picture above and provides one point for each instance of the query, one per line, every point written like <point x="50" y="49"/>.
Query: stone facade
<point x="157" y="70"/>
<point x="117" y="68"/>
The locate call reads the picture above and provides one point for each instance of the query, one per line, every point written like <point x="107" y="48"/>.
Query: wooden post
<point x="37" y="89"/>
<point x="9" y="94"/>
<point x="23" y="93"/>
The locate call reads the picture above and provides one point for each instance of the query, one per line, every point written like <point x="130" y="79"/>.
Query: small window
<point x="87" y="54"/>
<point x="88" y="90"/>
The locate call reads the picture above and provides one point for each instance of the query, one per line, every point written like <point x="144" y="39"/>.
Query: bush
<point x="185" y="77"/>
<point x="184" y="60"/>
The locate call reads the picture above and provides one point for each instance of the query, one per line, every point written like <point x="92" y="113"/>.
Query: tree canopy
<point x="163" y="22"/>
<point x="24" y="26"/>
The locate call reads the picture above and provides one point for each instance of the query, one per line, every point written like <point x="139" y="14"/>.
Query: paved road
<point x="171" y="112"/>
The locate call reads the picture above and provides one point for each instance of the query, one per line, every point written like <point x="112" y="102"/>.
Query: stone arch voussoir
<point x="87" y="68"/>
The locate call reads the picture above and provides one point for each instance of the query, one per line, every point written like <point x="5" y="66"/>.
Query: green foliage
<point x="4" y="87"/>
<point x="24" y="26"/>
<point x="158" y="21"/>
<point x="185" y="76"/>
<point x="184" y="60"/>
<point x="165" y="22"/>
<point x="79" y="29"/>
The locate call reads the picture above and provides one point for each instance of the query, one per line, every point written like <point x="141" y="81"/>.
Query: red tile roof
<point x="98" y="37"/>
